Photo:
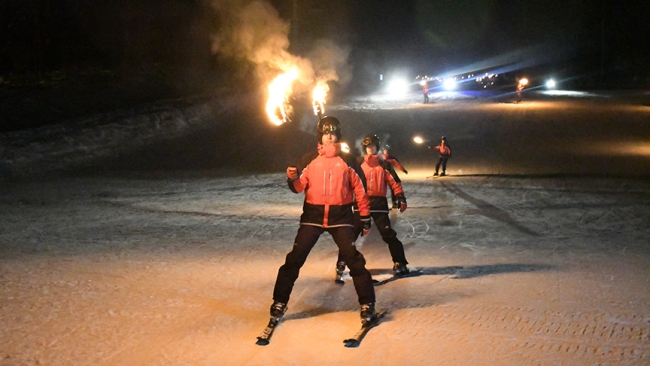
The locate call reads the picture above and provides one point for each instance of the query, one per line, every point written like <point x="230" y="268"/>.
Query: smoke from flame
<point x="254" y="31"/>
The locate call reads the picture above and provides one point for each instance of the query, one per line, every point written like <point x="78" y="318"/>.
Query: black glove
<point x="406" y="171"/>
<point x="402" y="202"/>
<point x="366" y="225"/>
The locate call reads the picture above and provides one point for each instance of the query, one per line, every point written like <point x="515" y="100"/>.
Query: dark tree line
<point x="42" y="36"/>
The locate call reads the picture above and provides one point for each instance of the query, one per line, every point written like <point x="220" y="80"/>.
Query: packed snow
<point x="118" y="248"/>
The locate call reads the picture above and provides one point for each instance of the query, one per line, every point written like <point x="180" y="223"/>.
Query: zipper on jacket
<point x="330" y="183"/>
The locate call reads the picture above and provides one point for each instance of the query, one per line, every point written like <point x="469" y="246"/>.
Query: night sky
<point x="445" y="34"/>
<point x="431" y="36"/>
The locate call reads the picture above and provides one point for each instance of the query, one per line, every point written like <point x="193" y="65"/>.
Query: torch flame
<point x="345" y="147"/>
<point x="277" y="106"/>
<point x="418" y="140"/>
<point x="318" y="98"/>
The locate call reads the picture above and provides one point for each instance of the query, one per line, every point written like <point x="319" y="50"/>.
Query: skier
<point x="425" y="89"/>
<point x="331" y="186"/>
<point x="445" y="153"/>
<point x="385" y="154"/>
<point x="520" y="88"/>
<point x="378" y="174"/>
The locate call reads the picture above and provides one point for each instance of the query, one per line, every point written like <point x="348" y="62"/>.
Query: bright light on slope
<point x="398" y="86"/>
<point x="449" y="84"/>
<point x="550" y="84"/>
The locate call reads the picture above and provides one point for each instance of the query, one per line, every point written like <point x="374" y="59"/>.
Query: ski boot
<point x="443" y="174"/>
<point x="277" y="310"/>
<point x="340" y="268"/>
<point x="400" y="269"/>
<point x="435" y="174"/>
<point x="367" y="313"/>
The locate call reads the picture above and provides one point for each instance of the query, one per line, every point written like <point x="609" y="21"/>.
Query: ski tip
<point x="413" y="273"/>
<point x="262" y="341"/>
<point x="395" y="278"/>
<point x="351" y="343"/>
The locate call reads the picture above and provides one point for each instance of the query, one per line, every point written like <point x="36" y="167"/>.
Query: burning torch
<point x="419" y="140"/>
<point x="318" y="98"/>
<point x="522" y="84"/>
<point x="277" y="106"/>
<point x="520" y="87"/>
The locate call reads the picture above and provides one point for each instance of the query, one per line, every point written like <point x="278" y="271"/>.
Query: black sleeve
<point x="355" y="164"/>
<point x="389" y="167"/>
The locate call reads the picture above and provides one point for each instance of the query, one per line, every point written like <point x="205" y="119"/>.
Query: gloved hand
<point x="292" y="172"/>
<point x="366" y="225"/>
<point x="406" y="171"/>
<point x="401" y="200"/>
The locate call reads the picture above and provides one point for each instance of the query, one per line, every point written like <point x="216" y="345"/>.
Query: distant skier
<point x="385" y="154"/>
<point x="331" y="187"/>
<point x="520" y="88"/>
<point x="425" y="91"/>
<point x="445" y="153"/>
<point x="379" y="174"/>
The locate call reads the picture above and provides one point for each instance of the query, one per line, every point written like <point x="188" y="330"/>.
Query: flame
<point x="277" y="106"/>
<point x="345" y="147"/>
<point x="318" y="97"/>
<point x="523" y="81"/>
<point x="418" y="140"/>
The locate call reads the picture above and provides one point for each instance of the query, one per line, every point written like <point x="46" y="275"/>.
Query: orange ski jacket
<point x="331" y="188"/>
<point x="378" y="176"/>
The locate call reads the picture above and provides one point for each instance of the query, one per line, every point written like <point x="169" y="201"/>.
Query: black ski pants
<point x="382" y="223"/>
<point x="305" y="240"/>
<point x="442" y="161"/>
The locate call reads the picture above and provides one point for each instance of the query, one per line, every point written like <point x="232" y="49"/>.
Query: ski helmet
<point x="331" y="125"/>
<point x="370" y="140"/>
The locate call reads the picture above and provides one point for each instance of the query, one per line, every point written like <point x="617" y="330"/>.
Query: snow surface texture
<point x="177" y="267"/>
<point x="62" y="146"/>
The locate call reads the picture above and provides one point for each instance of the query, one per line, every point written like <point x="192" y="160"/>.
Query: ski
<point x="357" y="338"/>
<point x="265" y="338"/>
<point x="396" y="277"/>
